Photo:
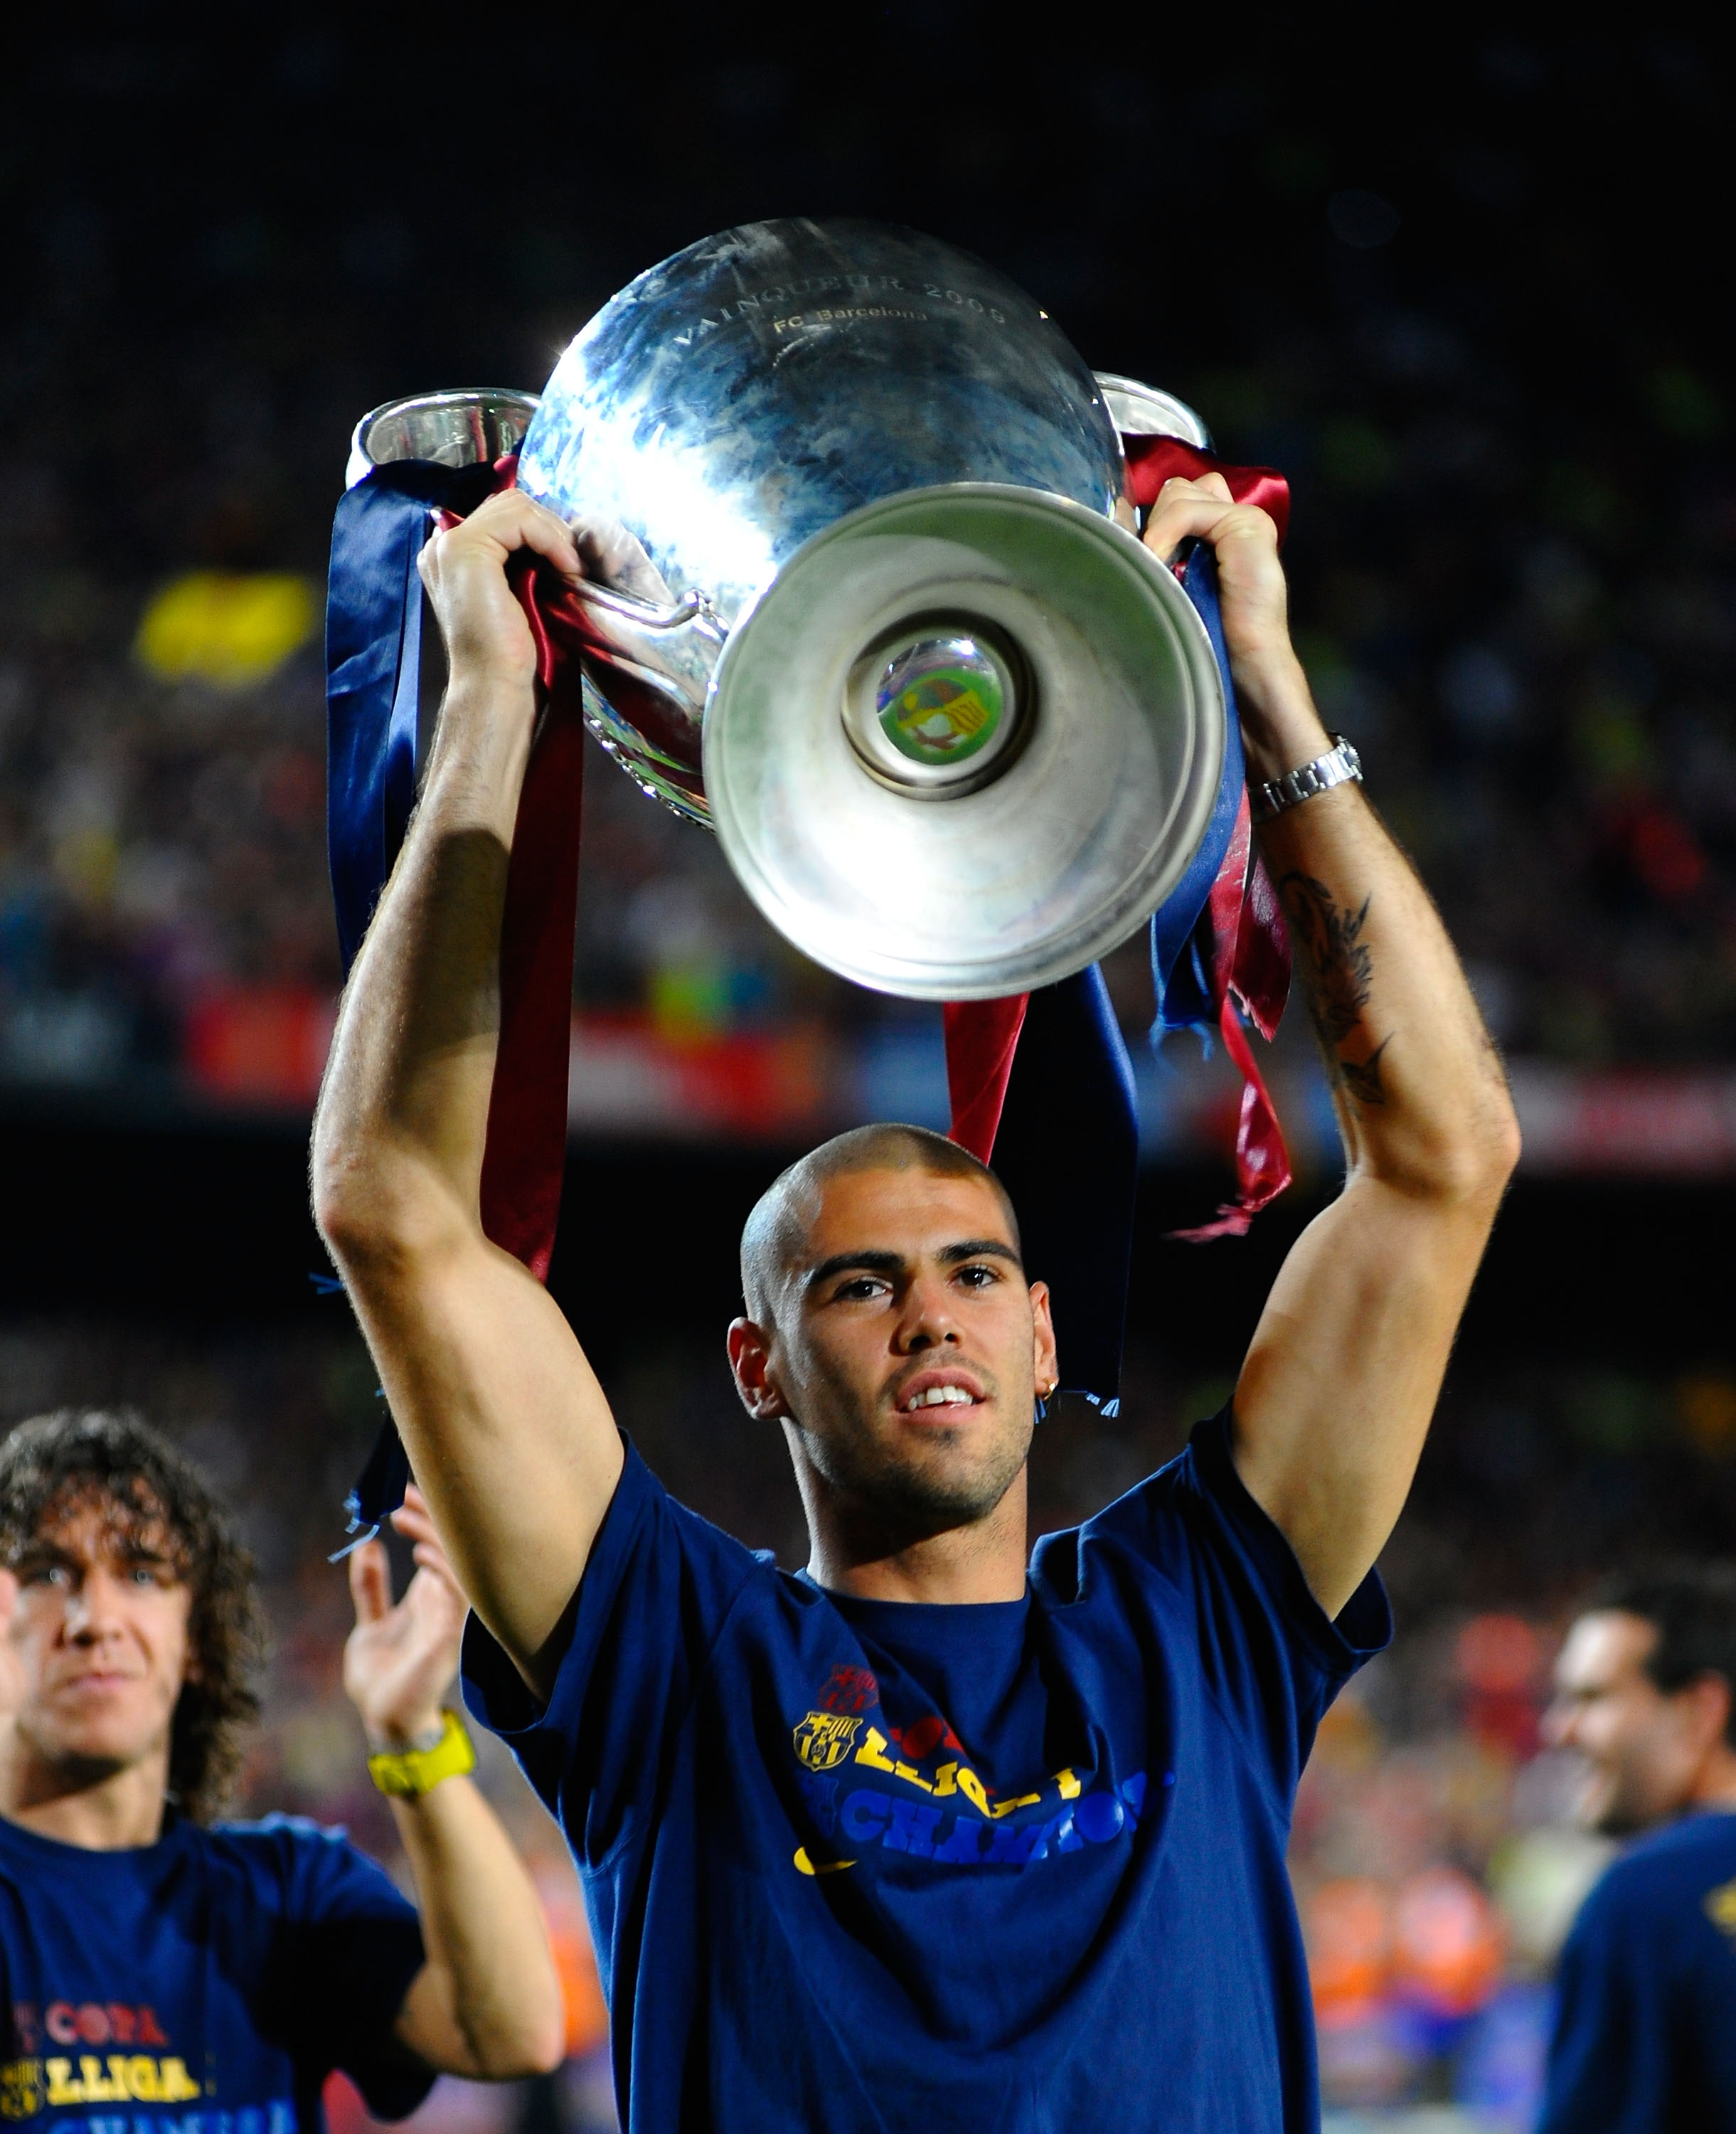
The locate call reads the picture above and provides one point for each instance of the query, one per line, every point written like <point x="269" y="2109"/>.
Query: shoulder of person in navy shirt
<point x="161" y="1972"/>
<point x="1645" y="2035"/>
<point x="919" y="1826"/>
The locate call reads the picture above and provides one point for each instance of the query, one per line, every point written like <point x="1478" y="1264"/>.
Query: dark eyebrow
<point x="976" y="1248"/>
<point x="42" y="1553"/>
<point x="870" y="1262"/>
<point x="879" y="1263"/>
<point x="37" y="1552"/>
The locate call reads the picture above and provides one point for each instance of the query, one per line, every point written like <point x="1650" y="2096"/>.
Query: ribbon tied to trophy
<point x="861" y="597"/>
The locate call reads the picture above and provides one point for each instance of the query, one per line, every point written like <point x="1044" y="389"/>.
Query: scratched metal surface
<point x="755" y="388"/>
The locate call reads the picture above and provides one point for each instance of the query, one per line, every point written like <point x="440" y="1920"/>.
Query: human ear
<point x="14" y="1680"/>
<point x="1046" y="1371"/>
<point x="750" y="1364"/>
<point x="1707" y="1699"/>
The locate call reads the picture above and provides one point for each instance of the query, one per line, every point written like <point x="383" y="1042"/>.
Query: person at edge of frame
<point x="163" y="1972"/>
<point x="918" y="1827"/>
<point x="1645" y="2033"/>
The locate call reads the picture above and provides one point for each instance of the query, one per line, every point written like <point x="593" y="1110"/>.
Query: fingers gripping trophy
<point x="861" y="589"/>
<point x="862" y="595"/>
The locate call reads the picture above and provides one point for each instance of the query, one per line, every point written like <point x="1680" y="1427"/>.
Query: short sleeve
<point x="350" y="1948"/>
<point x="1272" y="1658"/>
<point x="1609" y="2069"/>
<point x="658" y="1585"/>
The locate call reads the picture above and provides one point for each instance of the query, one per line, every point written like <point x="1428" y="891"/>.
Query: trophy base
<point x="1019" y="808"/>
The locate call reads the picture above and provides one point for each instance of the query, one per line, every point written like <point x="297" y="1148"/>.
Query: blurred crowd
<point x="1514" y="523"/>
<point x="1436" y="1860"/>
<point x="1474" y="337"/>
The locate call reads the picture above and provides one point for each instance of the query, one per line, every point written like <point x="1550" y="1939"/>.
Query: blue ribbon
<point x="1180" y="958"/>
<point x="373" y="690"/>
<point x="1067" y="1148"/>
<point x="374" y="672"/>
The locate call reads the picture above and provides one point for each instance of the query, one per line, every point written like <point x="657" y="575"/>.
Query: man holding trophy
<point x="930" y="1826"/>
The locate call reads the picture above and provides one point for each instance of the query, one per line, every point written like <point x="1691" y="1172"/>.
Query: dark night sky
<point x="1463" y="283"/>
<point x="233" y="235"/>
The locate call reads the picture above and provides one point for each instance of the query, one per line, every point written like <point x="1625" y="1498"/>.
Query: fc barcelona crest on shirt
<point x="823" y="1738"/>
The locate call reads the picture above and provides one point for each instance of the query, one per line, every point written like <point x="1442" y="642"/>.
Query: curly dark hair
<point x="52" y="1465"/>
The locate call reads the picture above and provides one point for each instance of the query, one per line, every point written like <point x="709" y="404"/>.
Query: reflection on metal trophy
<point x="860" y="598"/>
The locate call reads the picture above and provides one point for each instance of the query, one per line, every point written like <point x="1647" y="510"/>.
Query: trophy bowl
<point x="863" y="598"/>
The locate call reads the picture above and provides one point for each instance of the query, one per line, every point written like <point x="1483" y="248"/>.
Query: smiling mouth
<point x="943" y="1396"/>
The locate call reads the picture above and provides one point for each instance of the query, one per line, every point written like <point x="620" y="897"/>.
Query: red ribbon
<point x="1250" y="961"/>
<point x="524" y="1153"/>
<point x="524" y="1157"/>
<point x="1151" y="462"/>
<point x="1249" y="972"/>
<point x="982" y="1039"/>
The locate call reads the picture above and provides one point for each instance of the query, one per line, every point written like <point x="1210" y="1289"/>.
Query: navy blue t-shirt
<point x="207" y="1984"/>
<point x="1644" y="2039"/>
<point x="1002" y="1868"/>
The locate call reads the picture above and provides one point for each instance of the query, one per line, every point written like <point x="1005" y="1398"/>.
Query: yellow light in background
<point x="225" y="628"/>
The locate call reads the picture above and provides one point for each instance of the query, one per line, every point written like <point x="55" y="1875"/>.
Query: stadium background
<point x="1450" y="279"/>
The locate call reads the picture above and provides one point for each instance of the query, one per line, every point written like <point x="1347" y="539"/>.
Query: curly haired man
<point x="159" y="1970"/>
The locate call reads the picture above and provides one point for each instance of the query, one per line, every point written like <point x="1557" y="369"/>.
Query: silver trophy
<point x="864" y="596"/>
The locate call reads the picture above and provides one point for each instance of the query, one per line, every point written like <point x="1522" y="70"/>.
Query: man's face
<point x="908" y="1347"/>
<point x="1644" y="1748"/>
<point x="99" y="1639"/>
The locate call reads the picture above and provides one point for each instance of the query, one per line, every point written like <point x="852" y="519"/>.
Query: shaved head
<point x="775" y="1232"/>
<point x="894" y="1336"/>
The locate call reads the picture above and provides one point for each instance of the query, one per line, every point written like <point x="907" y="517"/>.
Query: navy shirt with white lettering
<point x="1008" y="1868"/>
<point x="207" y="1984"/>
<point x="1644" y="2039"/>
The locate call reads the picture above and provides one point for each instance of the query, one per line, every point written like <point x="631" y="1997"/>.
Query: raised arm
<point x="507" y="1430"/>
<point x="1337" y="1391"/>
<point x="487" y="2002"/>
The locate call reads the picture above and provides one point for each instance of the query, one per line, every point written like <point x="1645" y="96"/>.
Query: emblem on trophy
<point x="864" y="595"/>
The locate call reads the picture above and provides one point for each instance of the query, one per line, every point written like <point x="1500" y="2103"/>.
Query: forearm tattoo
<point x="1339" y="966"/>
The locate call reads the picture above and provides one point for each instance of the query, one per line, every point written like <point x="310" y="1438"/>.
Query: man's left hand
<point x="1279" y="726"/>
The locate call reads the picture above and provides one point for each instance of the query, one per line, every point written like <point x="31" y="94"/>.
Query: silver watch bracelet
<point x="1338" y="766"/>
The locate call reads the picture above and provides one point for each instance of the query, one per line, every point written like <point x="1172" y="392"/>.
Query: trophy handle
<point x="646" y="615"/>
<point x="479" y="425"/>
<point x="626" y="594"/>
<point x="667" y="648"/>
<point x="1139" y="410"/>
<point x="475" y="426"/>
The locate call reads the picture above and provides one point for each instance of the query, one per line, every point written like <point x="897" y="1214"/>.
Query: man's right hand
<point x="465" y="571"/>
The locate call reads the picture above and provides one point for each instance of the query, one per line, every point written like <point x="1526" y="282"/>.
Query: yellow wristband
<point x="409" y="1773"/>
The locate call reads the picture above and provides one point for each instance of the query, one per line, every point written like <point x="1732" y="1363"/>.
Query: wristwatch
<point x="1339" y="765"/>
